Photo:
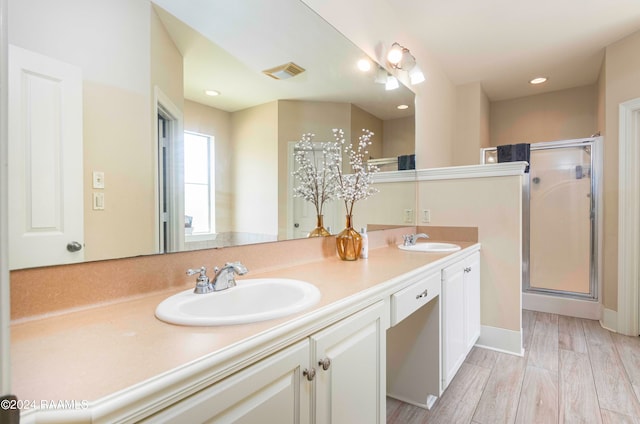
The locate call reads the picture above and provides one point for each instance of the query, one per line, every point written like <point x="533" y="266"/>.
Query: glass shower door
<point x="561" y="221"/>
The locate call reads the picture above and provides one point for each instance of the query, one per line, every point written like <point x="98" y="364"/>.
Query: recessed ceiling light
<point x="403" y="107"/>
<point x="538" y="80"/>
<point x="211" y="93"/>
<point x="364" y="65"/>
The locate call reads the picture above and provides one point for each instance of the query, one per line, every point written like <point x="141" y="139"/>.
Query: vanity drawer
<point x="408" y="300"/>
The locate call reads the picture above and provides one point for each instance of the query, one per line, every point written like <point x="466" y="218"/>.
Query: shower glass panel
<point x="561" y="220"/>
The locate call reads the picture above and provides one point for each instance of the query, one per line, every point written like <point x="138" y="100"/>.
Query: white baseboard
<point x="501" y="339"/>
<point x="587" y="309"/>
<point x="609" y="320"/>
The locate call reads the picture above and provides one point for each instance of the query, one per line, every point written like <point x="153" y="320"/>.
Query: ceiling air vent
<point x="285" y="71"/>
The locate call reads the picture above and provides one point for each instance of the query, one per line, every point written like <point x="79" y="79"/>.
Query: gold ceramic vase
<point x="349" y="242"/>
<point x="319" y="231"/>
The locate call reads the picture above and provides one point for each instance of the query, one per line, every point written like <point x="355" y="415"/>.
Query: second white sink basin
<point x="432" y="247"/>
<point x="251" y="300"/>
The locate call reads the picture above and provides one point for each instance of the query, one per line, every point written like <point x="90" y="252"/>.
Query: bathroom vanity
<point x="328" y="364"/>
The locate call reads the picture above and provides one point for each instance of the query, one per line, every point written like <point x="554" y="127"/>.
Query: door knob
<point x="296" y="225"/>
<point x="74" y="246"/>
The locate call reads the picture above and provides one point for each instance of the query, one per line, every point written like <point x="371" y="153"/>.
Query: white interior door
<point x="304" y="217"/>
<point x="46" y="218"/>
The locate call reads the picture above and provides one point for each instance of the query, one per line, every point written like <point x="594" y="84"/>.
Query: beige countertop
<point x="92" y="353"/>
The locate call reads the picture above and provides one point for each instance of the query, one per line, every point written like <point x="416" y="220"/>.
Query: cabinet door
<point x="268" y="391"/>
<point x="352" y="388"/>
<point x="472" y="299"/>
<point x="453" y="316"/>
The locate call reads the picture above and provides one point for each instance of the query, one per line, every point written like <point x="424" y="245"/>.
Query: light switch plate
<point x="98" y="179"/>
<point x="408" y="216"/>
<point x="98" y="201"/>
<point x="426" y="216"/>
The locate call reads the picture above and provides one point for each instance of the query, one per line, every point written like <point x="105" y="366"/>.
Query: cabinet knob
<point x="425" y="293"/>
<point x="325" y="363"/>
<point x="310" y="374"/>
<point x="467" y="269"/>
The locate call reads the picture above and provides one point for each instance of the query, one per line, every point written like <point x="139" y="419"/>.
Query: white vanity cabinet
<point x="352" y="388"/>
<point x="271" y="390"/>
<point x="293" y="386"/>
<point x="460" y="313"/>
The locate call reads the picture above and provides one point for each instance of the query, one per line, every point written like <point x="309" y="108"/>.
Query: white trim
<point x="609" y="319"/>
<point x="291" y="146"/>
<point x="501" y="340"/>
<point x="394" y="176"/>
<point x="628" y="216"/>
<point x="579" y="308"/>
<point x="472" y="171"/>
<point x="162" y="103"/>
<point x="5" y="359"/>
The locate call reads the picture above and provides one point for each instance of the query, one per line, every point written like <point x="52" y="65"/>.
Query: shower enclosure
<point x="561" y="218"/>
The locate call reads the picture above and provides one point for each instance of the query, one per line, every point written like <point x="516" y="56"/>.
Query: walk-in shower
<point x="561" y="218"/>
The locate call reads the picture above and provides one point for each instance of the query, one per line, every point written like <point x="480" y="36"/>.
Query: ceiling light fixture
<point x="399" y="57"/>
<point x="392" y="83"/>
<point x="395" y="54"/>
<point x="364" y="65"/>
<point x="212" y="93"/>
<point x="538" y="80"/>
<point x="403" y="107"/>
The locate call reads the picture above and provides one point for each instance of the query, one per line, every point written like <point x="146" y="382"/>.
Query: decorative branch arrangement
<point x="317" y="177"/>
<point x="323" y="178"/>
<point x="358" y="184"/>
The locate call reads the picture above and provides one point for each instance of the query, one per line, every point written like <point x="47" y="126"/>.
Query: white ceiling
<point x="226" y="45"/>
<point x="505" y="43"/>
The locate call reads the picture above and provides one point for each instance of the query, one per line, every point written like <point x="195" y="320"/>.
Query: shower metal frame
<point x="595" y="268"/>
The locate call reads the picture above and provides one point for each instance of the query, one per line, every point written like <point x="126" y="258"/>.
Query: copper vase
<point x="319" y="231"/>
<point x="349" y="242"/>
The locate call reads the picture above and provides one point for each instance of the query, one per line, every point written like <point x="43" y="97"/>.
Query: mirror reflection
<point x="177" y="167"/>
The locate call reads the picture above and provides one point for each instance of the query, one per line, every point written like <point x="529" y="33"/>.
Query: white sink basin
<point x="431" y="247"/>
<point x="251" y="300"/>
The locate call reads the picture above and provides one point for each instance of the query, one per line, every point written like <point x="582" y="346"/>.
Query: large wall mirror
<point x="144" y="68"/>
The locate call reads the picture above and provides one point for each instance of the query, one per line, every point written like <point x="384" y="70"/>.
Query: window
<point x="199" y="184"/>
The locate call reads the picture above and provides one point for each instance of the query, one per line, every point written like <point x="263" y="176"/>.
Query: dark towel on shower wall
<point x="514" y="153"/>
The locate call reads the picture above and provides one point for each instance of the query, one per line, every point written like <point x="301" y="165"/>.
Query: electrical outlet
<point x="408" y="216"/>
<point x="426" y="216"/>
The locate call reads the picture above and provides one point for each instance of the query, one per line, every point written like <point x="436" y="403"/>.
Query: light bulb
<point x="416" y="76"/>
<point x="395" y="54"/>
<point x="392" y="83"/>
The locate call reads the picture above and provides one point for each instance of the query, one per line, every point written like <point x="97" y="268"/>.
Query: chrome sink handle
<point x="410" y="239"/>
<point x="203" y="285"/>
<point x="225" y="276"/>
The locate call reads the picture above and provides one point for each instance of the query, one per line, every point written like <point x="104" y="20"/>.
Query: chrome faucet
<point x="225" y="276"/>
<point x="410" y="239"/>
<point x="222" y="280"/>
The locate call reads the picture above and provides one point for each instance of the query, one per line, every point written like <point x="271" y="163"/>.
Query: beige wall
<point x="494" y="206"/>
<point x="559" y="115"/>
<point x="399" y="137"/>
<point x="471" y="131"/>
<point x="255" y="169"/>
<point x="166" y="64"/>
<point x="622" y="83"/>
<point x="376" y="210"/>
<point x="216" y="123"/>
<point x="360" y="120"/>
